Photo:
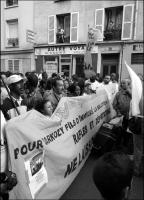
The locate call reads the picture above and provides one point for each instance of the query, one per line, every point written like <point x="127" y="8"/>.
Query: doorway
<point x="65" y="65"/>
<point x="110" y="64"/>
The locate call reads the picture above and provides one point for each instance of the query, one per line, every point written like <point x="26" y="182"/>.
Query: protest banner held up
<point x="47" y="154"/>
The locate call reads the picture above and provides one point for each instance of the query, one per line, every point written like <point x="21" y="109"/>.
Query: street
<point x="84" y="188"/>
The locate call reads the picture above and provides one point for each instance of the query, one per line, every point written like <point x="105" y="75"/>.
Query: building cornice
<point x="17" y="51"/>
<point x="84" y="43"/>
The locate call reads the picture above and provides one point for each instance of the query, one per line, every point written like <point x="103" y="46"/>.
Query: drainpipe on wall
<point x="136" y="13"/>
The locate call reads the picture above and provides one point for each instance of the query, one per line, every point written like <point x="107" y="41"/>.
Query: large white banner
<point x="47" y="154"/>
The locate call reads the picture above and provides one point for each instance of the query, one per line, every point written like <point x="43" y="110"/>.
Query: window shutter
<point x="74" y="27"/>
<point x="127" y="22"/>
<point x="51" y="29"/>
<point x="99" y="21"/>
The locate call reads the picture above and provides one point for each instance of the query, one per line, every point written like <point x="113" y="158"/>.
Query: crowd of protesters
<point x="21" y="93"/>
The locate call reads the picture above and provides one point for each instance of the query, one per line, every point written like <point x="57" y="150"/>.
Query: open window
<point x="11" y="3"/>
<point x="113" y="23"/>
<point x="63" y="28"/>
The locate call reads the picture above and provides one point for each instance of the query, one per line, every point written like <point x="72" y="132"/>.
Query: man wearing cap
<point x="15" y="84"/>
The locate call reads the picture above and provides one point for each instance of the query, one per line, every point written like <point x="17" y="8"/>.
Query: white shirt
<point x="95" y="85"/>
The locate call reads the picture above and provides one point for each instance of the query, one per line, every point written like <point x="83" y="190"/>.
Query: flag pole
<point x="10" y="96"/>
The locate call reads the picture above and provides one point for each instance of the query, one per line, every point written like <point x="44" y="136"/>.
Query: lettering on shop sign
<point x="63" y="48"/>
<point x="138" y="47"/>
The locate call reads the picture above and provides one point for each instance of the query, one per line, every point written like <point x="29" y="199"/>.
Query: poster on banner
<point x="65" y="140"/>
<point x="36" y="172"/>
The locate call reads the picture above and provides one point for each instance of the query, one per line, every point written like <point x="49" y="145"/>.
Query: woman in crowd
<point x="74" y="90"/>
<point x="44" y="107"/>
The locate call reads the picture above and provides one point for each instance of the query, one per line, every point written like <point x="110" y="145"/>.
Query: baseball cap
<point x="14" y="79"/>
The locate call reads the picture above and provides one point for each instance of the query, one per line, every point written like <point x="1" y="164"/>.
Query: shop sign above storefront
<point x="58" y="50"/>
<point x="138" y="47"/>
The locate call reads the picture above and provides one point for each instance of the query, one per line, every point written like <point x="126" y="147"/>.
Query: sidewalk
<point x="84" y="188"/>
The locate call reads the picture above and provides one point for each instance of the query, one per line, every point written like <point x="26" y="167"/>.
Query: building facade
<point x="17" y="52"/>
<point x="62" y="28"/>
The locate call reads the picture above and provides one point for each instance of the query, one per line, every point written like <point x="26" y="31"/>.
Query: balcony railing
<point x="14" y="42"/>
<point x="114" y="34"/>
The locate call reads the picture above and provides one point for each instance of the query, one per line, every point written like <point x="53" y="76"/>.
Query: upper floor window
<point x="115" y="23"/>
<point x="63" y="28"/>
<point x="12" y="33"/>
<point x="11" y="3"/>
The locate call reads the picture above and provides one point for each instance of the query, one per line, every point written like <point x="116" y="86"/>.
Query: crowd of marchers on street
<point x="23" y="92"/>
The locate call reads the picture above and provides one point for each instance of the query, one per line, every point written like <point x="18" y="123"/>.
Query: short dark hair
<point x="54" y="81"/>
<point x="32" y="80"/>
<point x="112" y="173"/>
<point x="39" y="105"/>
<point x="54" y="75"/>
<point x="92" y="79"/>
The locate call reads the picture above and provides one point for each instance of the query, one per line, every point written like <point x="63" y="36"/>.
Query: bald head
<point x="125" y="84"/>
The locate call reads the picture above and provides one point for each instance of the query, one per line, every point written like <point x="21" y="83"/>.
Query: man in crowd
<point x="33" y="95"/>
<point x="114" y="84"/>
<point x="16" y="86"/>
<point x="4" y="93"/>
<point x="106" y="85"/>
<point x="122" y="100"/>
<point x="56" y="93"/>
<point x="113" y="175"/>
<point x="94" y="83"/>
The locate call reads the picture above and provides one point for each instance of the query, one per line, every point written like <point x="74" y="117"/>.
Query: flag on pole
<point x="137" y="89"/>
<point x="30" y="36"/>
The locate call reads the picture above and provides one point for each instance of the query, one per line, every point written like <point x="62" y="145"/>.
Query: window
<point x="12" y="33"/>
<point x="137" y="58"/>
<point x="11" y="3"/>
<point x="66" y="30"/>
<point x="63" y="28"/>
<point x="113" y="23"/>
<point x="14" y="66"/>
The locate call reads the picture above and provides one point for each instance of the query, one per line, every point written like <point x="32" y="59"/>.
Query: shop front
<point x="68" y="59"/>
